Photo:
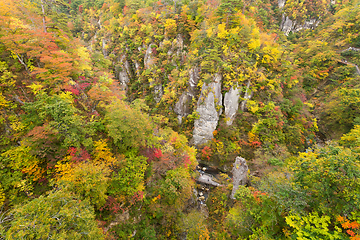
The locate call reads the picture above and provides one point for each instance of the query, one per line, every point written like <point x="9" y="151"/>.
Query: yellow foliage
<point x="67" y="96"/>
<point x="312" y="226"/>
<point x="272" y="54"/>
<point x="170" y="27"/>
<point x="6" y="78"/>
<point x="17" y="126"/>
<point x="88" y="180"/>
<point x="222" y="31"/>
<point x="266" y="59"/>
<point x="7" y="7"/>
<point x="209" y="32"/>
<point x="315" y="126"/>
<point x="252" y="137"/>
<point x="3" y="101"/>
<point x="204" y="234"/>
<point x="24" y="186"/>
<point x="84" y="63"/>
<point x="234" y="31"/>
<point x="170" y="23"/>
<point x="255" y="32"/>
<point x="219" y="147"/>
<point x="23" y="161"/>
<point x="35" y="87"/>
<point x="34" y="171"/>
<point x="64" y="167"/>
<point x="254" y="44"/>
<point x="102" y="154"/>
<point x="309" y="104"/>
<point x="252" y="106"/>
<point x="2" y="195"/>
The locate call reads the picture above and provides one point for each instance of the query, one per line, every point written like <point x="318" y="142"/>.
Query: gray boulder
<point x="239" y="171"/>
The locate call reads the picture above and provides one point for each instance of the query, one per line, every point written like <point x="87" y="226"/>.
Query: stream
<point x="208" y="179"/>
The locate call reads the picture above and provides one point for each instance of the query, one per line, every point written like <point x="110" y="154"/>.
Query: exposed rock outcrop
<point x="239" y="171"/>
<point x="124" y="73"/>
<point x="281" y="3"/>
<point x="149" y="60"/>
<point x="182" y="106"/>
<point x="177" y="48"/>
<point x="231" y="104"/>
<point x="247" y="96"/>
<point x="207" y="179"/>
<point x="287" y="25"/>
<point x="351" y="64"/>
<point x="209" y="108"/>
<point x="158" y="92"/>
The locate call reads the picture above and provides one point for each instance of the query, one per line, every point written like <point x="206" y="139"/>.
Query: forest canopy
<point x="122" y="119"/>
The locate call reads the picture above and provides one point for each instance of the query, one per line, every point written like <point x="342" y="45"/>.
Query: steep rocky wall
<point x="177" y="53"/>
<point x="209" y="108"/>
<point x="182" y="106"/>
<point x="231" y="104"/>
<point x="210" y="102"/>
<point x="149" y="60"/>
<point x="287" y="25"/>
<point x="124" y="73"/>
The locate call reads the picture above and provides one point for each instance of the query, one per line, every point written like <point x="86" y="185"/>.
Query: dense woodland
<point x="101" y="102"/>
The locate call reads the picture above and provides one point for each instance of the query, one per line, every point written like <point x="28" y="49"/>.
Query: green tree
<point x="60" y="215"/>
<point x="256" y="215"/>
<point x="62" y="116"/>
<point x="329" y="178"/>
<point x="313" y="226"/>
<point x="129" y="179"/>
<point x="128" y="126"/>
<point x="176" y="187"/>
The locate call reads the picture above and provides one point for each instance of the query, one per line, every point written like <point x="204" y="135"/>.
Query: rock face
<point x="209" y="108"/>
<point x="287" y="25"/>
<point x="124" y="74"/>
<point x="281" y="3"/>
<point x="177" y="50"/>
<point x="231" y="104"/>
<point x="239" y="171"/>
<point x="193" y="79"/>
<point x="182" y="107"/>
<point x="158" y="92"/>
<point x="148" y="62"/>
<point x="247" y="96"/>
<point x="148" y="59"/>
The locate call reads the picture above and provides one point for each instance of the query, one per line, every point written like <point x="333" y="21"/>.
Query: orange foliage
<point x="350" y="227"/>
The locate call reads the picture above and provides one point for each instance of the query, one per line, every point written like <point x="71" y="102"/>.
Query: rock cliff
<point x="231" y="104"/>
<point x="182" y="106"/>
<point x="209" y="108"/>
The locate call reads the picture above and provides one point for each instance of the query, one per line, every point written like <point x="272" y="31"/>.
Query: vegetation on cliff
<point x="102" y="101"/>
